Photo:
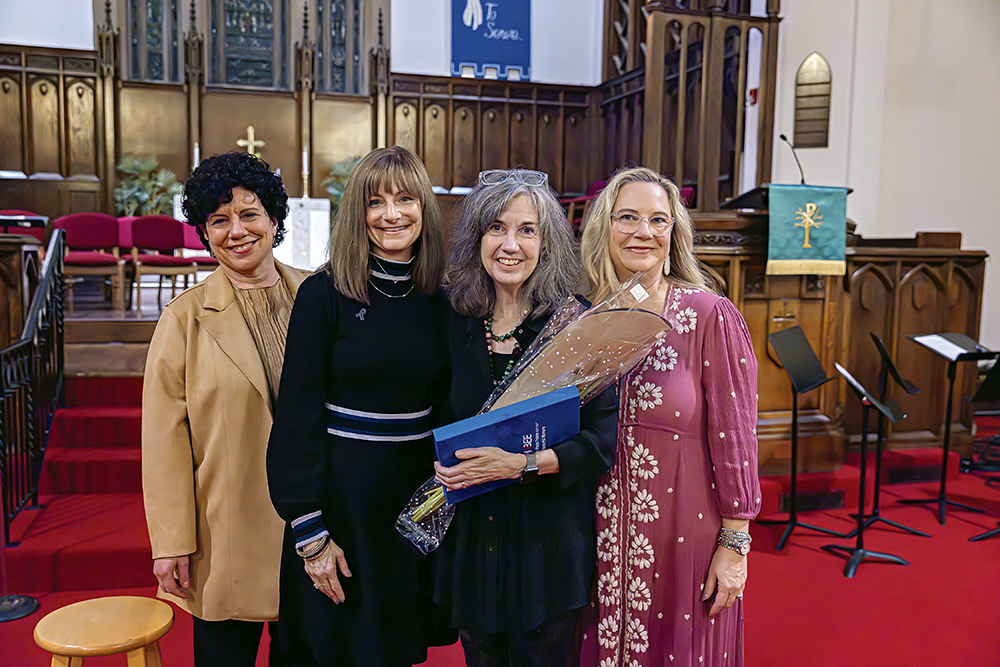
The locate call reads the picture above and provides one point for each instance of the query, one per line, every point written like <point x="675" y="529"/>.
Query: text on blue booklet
<point x="526" y="426"/>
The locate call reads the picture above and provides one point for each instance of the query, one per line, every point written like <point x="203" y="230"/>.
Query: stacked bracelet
<point x="313" y="550"/>
<point x="736" y="540"/>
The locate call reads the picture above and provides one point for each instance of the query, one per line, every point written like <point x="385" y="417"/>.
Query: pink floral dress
<point x="686" y="458"/>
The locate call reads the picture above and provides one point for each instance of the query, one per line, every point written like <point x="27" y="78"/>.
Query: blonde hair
<point x="600" y="277"/>
<point x="388" y="169"/>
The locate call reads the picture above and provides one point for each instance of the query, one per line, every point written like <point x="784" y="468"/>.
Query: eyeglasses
<point x="526" y="176"/>
<point x="628" y="223"/>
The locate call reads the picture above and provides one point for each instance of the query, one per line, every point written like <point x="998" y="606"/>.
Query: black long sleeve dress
<point x="520" y="555"/>
<point x="360" y="392"/>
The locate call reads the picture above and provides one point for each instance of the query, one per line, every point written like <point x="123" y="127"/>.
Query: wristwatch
<point x="530" y="469"/>
<point x="736" y="540"/>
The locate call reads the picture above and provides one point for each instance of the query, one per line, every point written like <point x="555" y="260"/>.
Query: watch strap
<point x="530" y="469"/>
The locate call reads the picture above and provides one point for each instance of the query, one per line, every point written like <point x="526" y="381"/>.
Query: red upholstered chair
<point x="92" y="250"/>
<point x="37" y="232"/>
<point x="577" y="207"/>
<point x="155" y="242"/>
<point x="193" y="242"/>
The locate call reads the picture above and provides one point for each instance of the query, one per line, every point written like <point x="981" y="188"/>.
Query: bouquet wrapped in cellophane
<point x="587" y="348"/>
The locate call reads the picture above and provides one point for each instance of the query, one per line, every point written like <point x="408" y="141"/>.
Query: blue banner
<point x="807" y="230"/>
<point x="491" y="39"/>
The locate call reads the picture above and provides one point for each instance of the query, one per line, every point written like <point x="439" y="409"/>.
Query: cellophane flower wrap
<point x="587" y="348"/>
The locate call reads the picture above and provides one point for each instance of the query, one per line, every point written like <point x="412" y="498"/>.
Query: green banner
<point x="807" y="230"/>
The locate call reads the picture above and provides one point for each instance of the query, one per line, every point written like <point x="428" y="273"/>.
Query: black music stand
<point x="806" y="374"/>
<point x="888" y="368"/>
<point x="893" y="413"/>
<point x="988" y="391"/>
<point x="955" y="348"/>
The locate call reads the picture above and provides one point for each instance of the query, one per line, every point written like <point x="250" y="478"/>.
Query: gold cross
<point x="809" y="218"/>
<point x="250" y="143"/>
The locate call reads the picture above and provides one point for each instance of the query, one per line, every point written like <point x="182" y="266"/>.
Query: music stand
<point x="806" y="374"/>
<point x="888" y="368"/>
<point x="893" y="413"/>
<point x="955" y="348"/>
<point x="988" y="391"/>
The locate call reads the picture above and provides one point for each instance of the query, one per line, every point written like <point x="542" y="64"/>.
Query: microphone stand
<point x="802" y="174"/>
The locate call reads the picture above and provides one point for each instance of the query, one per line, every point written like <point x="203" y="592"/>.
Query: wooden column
<point x="305" y="85"/>
<point x="194" y="80"/>
<point x="107" y="113"/>
<point x="380" y="89"/>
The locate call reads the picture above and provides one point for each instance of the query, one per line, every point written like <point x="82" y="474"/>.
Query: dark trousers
<point x="232" y="643"/>
<point x="552" y="644"/>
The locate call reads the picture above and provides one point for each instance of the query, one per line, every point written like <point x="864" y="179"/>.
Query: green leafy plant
<point x="145" y="188"/>
<point x="337" y="180"/>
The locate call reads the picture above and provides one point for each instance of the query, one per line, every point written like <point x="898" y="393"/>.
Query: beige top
<point x="266" y="311"/>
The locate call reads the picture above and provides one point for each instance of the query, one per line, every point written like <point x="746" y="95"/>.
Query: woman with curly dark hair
<point x="365" y="379"/>
<point x="209" y="391"/>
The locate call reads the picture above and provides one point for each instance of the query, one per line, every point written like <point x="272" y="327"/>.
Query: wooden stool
<point x="106" y="626"/>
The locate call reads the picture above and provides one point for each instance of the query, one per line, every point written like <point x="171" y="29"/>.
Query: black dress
<point x="520" y="555"/>
<point x="360" y="391"/>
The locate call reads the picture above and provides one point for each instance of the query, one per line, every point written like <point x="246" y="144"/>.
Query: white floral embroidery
<point x="608" y="589"/>
<point x="637" y="636"/>
<point x="644" y="507"/>
<point x="664" y="358"/>
<point x="605" y="544"/>
<point x="639" y="596"/>
<point x="642" y="552"/>
<point x="606" y="632"/>
<point x="606" y="506"/>
<point x="643" y="463"/>
<point x="607" y="662"/>
<point x="687" y="320"/>
<point x="649" y="395"/>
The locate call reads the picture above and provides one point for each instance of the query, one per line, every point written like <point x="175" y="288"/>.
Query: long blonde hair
<point x="598" y="269"/>
<point x="350" y="263"/>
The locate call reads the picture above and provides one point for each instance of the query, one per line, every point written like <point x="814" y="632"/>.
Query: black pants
<point x="232" y="643"/>
<point x="552" y="644"/>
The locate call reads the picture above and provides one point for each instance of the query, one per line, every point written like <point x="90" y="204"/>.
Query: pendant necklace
<point x="490" y="337"/>
<point x="391" y="296"/>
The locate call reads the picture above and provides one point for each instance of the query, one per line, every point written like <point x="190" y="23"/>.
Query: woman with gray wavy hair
<point x="518" y="561"/>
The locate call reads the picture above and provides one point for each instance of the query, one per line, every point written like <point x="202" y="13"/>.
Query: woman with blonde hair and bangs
<point x="684" y="485"/>
<point x="365" y="378"/>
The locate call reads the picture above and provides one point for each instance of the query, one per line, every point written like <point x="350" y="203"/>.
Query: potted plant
<point x="337" y="180"/>
<point x="145" y="188"/>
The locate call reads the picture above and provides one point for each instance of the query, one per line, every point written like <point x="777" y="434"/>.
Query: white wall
<point x="63" y="24"/>
<point x="566" y="39"/>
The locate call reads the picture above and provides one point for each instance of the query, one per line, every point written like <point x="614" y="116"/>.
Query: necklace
<point x="490" y="337"/>
<point x="384" y="274"/>
<point x="391" y="296"/>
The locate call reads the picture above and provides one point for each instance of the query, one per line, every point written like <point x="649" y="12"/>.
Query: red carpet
<point x="942" y="610"/>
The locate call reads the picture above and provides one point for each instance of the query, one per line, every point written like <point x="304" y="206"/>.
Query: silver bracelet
<point x="737" y="540"/>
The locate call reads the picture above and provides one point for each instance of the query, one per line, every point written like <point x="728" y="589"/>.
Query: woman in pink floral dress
<point x="673" y="512"/>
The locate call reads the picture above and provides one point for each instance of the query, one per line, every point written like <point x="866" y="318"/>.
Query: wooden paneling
<point x="81" y="127"/>
<point x="226" y="115"/>
<point x="153" y="121"/>
<point x="342" y="129"/>
<point x="11" y="133"/>
<point x="463" y="126"/>
<point x="19" y="273"/>
<point x="43" y="109"/>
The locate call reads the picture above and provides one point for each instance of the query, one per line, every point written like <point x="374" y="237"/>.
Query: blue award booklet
<point x="526" y="426"/>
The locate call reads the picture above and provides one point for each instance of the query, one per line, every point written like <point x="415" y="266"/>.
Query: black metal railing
<point x="32" y="372"/>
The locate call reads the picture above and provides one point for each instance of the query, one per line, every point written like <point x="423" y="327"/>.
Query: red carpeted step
<point x="72" y="470"/>
<point x="86" y="390"/>
<point x="816" y="490"/>
<point x="81" y="542"/>
<point x="97" y="426"/>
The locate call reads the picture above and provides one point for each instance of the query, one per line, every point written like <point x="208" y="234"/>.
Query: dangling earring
<point x="666" y="266"/>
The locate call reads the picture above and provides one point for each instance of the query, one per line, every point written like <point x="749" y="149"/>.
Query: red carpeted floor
<point x="942" y="610"/>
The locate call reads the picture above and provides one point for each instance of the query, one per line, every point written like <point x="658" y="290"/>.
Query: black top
<point x="348" y="441"/>
<point x="522" y="554"/>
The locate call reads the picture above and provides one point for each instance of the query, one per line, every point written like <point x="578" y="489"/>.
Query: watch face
<point x="744" y="549"/>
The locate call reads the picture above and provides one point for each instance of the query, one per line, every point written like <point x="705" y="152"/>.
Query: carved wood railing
<point x="461" y="126"/>
<point x="32" y="372"/>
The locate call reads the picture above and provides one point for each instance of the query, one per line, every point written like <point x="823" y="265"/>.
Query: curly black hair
<point x="211" y="185"/>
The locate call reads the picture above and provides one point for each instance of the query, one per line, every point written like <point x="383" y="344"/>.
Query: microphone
<point x="801" y="173"/>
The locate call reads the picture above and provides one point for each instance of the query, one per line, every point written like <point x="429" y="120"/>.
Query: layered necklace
<point x="490" y="337"/>
<point x="392" y="274"/>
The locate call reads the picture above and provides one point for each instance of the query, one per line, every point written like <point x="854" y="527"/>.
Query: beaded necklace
<point x="490" y="337"/>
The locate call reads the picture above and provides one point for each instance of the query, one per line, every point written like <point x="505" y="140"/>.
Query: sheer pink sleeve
<point x="729" y="378"/>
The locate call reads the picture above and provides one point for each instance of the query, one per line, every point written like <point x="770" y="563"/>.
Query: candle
<point x="197" y="155"/>
<point x="305" y="162"/>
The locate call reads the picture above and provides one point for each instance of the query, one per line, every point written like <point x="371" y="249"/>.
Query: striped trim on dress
<point x="379" y="426"/>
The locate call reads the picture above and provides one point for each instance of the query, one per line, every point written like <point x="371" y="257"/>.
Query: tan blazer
<point x="206" y="417"/>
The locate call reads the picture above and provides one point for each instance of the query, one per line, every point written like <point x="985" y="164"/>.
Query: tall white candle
<point x="197" y="154"/>
<point x="305" y="162"/>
